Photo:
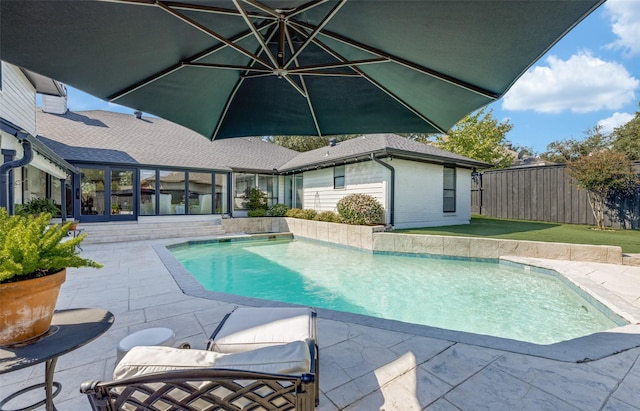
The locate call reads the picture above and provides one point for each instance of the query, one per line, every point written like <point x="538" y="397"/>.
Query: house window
<point x="449" y="190"/>
<point x="338" y="177"/>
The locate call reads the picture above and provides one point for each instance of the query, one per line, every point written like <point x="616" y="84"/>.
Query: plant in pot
<point x="37" y="206"/>
<point x="33" y="262"/>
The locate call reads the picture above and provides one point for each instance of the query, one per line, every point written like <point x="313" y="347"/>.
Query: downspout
<point x="4" y="174"/>
<point x="392" y="186"/>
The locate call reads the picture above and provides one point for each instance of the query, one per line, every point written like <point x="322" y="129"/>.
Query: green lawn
<point x="482" y="226"/>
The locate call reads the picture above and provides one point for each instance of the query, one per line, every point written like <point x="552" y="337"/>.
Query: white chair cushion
<point x="249" y="328"/>
<point x="291" y="359"/>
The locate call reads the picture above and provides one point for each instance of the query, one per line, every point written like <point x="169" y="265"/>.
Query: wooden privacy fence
<point x="545" y="193"/>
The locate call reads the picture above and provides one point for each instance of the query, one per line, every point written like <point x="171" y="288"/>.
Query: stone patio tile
<point x="442" y="405"/>
<point x="357" y="358"/>
<point x="619" y="365"/>
<point x="629" y="390"/>
<point x="377" y="336"/>
<point x="182" y="306"/>
<point x="160" y="300"/>
<point x="333" y="332"/>
<point x="583" y="386"/>
<point x="422" y="348"/>
<point x="459" y="362"/>
<point x="615" y="404"/>
<point x="493" y="389"/>
<point x="331" y="373"/>
<point x="410" y="391"/>
<point x="352" y="391"/>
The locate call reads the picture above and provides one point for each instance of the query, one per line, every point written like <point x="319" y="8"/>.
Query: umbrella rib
<point x="306" y="7"/>
<point x="432" y="73"/>
<point x="376" y="84"/>
<point x="338" y="65"/>
<point x="228" y="67"/>
<point x="256" y="34"/>
<point x="304" y="85"/>
<point x="231" y="97"/>
<point x="274" y="14"/>
<point x="176" y="67"/>
<point x="315" y="31"/>
<point x="212" y="33"/>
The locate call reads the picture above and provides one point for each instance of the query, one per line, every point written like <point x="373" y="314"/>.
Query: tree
<point x="602" y="173"/>
<point x="479" y="136"/>
<point x="304" y="143"/>
<point x="626" y="138"/>
<point x="571" y="150"/>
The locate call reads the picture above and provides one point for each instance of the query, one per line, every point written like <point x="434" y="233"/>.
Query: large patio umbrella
<point x="228" y="68"/>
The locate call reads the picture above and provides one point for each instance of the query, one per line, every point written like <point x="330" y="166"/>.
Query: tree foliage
<point x="571" y="150"/>
<point x="626" y="138"/>
<point x="305" y="143"/>
<point x="479" y="136"/>
<point x="602" y="173"/>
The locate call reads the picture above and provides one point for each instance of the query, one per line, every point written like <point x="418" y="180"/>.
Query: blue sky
<point x="591" y="77"/>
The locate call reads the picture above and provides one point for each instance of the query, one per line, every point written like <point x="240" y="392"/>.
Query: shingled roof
<point x="380" y="145"/>
<point x="117" y="138"/>
<point x="108" y="137"/>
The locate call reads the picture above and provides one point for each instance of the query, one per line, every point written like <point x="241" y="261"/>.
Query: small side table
<point x="70" y="330"/>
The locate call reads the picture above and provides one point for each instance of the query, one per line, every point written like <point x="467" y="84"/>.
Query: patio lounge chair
<point x="271" y="375"/>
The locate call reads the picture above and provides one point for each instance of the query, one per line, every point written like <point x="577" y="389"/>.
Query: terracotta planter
<point x="27" y="307"/>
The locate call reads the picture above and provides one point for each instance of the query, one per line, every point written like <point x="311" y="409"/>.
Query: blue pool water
<point x="464" y="295"/>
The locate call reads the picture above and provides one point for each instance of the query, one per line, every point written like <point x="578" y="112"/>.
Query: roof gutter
<point x="392" y="186"/>
<point x="6" y="168"/>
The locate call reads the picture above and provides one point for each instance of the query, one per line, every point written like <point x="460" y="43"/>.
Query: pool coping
<point x="582" y="349"/>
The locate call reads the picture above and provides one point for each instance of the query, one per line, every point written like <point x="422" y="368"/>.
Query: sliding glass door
<point x="105" y="194"/>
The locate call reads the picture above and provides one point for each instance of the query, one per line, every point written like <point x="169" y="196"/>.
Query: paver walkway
<point x="365" y="364"/>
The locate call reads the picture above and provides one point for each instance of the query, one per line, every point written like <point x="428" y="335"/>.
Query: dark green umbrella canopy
<point x="229" y="68"/>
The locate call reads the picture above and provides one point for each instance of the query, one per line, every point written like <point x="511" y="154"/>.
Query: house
<point x="104" y="166"/>
<point x="28" y="168"/>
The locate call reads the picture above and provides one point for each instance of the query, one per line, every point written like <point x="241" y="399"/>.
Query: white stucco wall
<point x="17" y="99"/>
<point x="419" y="193"/>
<point x="366" y="178"/>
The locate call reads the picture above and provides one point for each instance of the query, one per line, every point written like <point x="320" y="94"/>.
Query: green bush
<point x="293" y="212"/>
<point x="257" y="200"/>
<point x="308" y="214"/>
<point x="278" y="210"/>
<point x="37" y="206"/>
<point x="30" y="247"/>
<point x="328" y="216"/>
<point x="260" y="212"/>
<point x="360" y="209"/>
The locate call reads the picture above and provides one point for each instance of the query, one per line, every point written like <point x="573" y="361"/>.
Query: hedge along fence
<point x="545" y="193"/>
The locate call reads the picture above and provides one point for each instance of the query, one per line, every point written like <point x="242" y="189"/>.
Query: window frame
<point x="447" y="191"/>
<point x="337" y="176"/>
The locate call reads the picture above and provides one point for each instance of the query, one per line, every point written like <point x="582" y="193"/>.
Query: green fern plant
<point x="30" y="247"/>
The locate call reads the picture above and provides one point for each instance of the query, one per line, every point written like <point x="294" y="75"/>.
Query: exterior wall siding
<point x="366" y="178"/>
<point x="419" y="192"/>
<point x="17" y="99"/>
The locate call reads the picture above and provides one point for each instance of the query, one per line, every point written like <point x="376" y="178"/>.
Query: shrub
<point x="260" y="212"/>
<point x="293" y="212"/>
<point x="257" y="200"/>
<point x="328" y="216"/>
<point x="305" y="214"/>
<point x="360" y="209"/>
<point x="37" y="206"/>
<point x="278" y="210"/>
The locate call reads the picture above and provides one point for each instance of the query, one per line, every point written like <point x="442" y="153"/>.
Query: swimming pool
<point x="473" y="296"/>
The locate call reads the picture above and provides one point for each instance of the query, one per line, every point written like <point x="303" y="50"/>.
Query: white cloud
<point x="625" y="23"/>
<point x="616" y="120"/>
<point x="581" y="84"/>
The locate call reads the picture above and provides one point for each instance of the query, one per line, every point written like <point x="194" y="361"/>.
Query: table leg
<point x="49" y="368"/>
<point x="48" y="386"/>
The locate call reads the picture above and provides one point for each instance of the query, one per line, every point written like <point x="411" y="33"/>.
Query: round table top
<point x="70" y="329"/>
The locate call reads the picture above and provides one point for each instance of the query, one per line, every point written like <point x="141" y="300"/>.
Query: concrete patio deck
<point x="367" y="364"/>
